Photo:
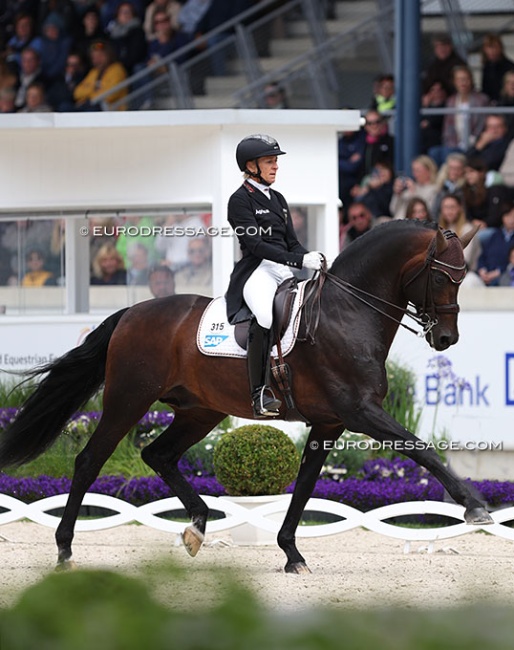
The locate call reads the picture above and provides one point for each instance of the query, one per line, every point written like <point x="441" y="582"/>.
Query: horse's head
<point x="432" y="285"/>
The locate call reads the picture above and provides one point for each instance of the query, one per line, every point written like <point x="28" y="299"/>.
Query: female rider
<point x="262" y="222"/>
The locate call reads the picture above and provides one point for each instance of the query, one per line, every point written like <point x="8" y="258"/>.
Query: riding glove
<point x="312" y="261"/>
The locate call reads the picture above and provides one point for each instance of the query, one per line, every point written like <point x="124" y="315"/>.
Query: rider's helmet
<point x="256" y="146"/>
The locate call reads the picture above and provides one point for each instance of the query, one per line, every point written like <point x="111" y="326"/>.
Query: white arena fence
<point x="235" y="515"/>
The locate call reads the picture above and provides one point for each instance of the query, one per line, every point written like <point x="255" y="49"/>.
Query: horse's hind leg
<point x="162" y="455"/>
<point x="113" y="426"/>
<point x="313" y="457"/>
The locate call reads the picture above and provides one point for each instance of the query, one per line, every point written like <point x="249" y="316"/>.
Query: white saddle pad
<point x="215" y="336"/>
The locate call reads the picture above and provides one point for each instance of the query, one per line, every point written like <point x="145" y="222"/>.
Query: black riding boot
<point x="264" y="402"/>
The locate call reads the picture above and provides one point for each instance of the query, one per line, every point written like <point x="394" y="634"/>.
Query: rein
<point x="425" y="316"/>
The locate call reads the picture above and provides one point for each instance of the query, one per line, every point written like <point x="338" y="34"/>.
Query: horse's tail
<point x="71" y="380"/>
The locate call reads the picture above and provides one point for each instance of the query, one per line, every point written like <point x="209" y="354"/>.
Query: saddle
<point x="282" y="311"/>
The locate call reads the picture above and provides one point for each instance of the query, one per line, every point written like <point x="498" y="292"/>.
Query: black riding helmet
<point x="253" y="147"/>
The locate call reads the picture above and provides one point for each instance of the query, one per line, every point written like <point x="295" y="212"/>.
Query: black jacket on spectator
<point x="492" y="154"/>
<point x="492" y="77"/>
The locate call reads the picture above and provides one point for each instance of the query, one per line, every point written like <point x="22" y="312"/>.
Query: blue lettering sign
<point x="213" y="340"/>
<point x="439" y="391"/>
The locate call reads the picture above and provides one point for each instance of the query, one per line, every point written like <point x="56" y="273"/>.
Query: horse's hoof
<point x="478" y="517"/>
<point x="192" y="539"/>
<point x="297" y="568"/>
<point x="67" y="565"/>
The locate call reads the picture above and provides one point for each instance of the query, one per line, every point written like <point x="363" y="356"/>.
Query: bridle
<point x="425" y="315"/>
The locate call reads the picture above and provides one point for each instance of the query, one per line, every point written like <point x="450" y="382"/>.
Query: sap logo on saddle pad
<point x="263" y="211"/>
<point x="213" y="340"/>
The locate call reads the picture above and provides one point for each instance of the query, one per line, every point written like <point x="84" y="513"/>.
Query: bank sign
<point x="467" y="391"/>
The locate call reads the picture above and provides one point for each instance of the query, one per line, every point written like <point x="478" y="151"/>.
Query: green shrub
<point x="255" y="459"/>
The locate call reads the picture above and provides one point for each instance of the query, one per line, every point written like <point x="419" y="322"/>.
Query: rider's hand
<point x="312" y="261"/>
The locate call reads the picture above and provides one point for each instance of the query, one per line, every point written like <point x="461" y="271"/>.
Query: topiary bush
<point x="255" y="459"/>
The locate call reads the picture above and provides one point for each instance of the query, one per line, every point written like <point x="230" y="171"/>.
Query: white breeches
<point x="260" y="288"/>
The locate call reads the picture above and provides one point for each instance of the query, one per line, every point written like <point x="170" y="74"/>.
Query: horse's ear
<point x="441" y="242"/>
<point x="465" y="239"/>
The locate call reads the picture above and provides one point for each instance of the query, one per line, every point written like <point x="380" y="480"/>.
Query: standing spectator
<point x="161" y="281"/>
<point x="452" y="217"/>
<point x="444" y="61"/>
<point x="105" y="74"/>
<point x="108" y="267"/>
<point x="495" y="251"/>
<point x="128" y="38"/>
<point x="461" y="130"/>
<point x="54" y="47"/>
<point x="24" y="36"/>
<point x="171" y="9"/>
<point x="379" y="143"/>
<point x="384" y="98"/>
<point x="432" y="125"/>
<point x="422" y="184"/>
<point x="492" y="143"/>
<point x="360" y="220"/>
<point x="30" y="72"/>
<point x="494" y="66"/>
<point x="36" y="99"/>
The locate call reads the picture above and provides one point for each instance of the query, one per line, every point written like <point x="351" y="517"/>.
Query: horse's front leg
<point x="163" y="455"/>
<point x="313" y="457"/>
<point x="377" y="423"/>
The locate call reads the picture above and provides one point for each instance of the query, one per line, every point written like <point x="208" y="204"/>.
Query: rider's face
<point x="268" y="166"/>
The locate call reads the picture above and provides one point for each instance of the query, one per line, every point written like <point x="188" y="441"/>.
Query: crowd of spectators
<point x="463" y="176"/>
<point x="72" y="51"/>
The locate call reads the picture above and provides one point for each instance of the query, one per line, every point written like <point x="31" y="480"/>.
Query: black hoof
<point x="297" y="568"/>
<point x="478" y="517"/>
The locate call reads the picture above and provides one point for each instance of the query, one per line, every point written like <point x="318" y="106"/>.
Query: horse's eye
<point x="439" y="279"/>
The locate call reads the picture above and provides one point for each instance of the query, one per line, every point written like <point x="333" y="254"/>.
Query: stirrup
<point x="264" y="403"/>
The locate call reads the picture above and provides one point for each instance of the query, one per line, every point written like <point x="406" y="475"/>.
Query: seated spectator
<point x="492" y="143"/>
<point x="445" y="59"/>
<point x="275" y="96"/>
<point x="494" y="66"/>
<point x="461" y="130"/>
<point x="376" y="190"/>
<point x="161" y="281"/>
<point x="109" y="8"/>
<point x="138" y="267"/>
<point x="66" y="12"/>
<point x="90" y="31"/>
<point x="35" y="99"/>
<point x="60" y="93"/>
<point x="107" y="267"/>
<point x="482" y="204"/>
<point x="172" y="10"/>
<point x="432" y="125"/>
<point x="24" y="36"/>
<point x="166" y="41"/>
<point x="422" y="184"/>
<point x="507" y="277"/>
<point x="29" y="73"/>
<point x="128" y="38"/>
<point x="351" y="147"/>
<point x="494" y="258"/>
<point x="7" y="99"/>
<point x="507" y="99"/>
<point x="359" y="221"/>
<point x="105" y="74"/>
<point x="36" y="275"/>
<point x="418" y="209"/>
<point x="379" y="143"/>
<point x="196" y="275"/>
<point x="55" y="47"/>
<point x="452" y="217"/>
<point x="450" y="178"/>
<point x="384" y="98"/>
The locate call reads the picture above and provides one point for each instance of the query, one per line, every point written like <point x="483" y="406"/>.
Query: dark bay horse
<point x="148" y="353"/>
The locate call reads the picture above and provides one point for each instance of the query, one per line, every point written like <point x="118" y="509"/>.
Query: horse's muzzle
<point x="442" y="338"/>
